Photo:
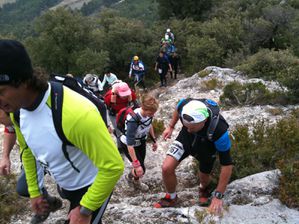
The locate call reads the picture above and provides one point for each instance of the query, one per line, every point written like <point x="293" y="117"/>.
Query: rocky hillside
<point x="248" y="200"/>
<point x="72" y="4"/>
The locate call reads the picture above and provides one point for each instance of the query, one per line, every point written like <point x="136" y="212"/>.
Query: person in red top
<point x="117" y="98"/>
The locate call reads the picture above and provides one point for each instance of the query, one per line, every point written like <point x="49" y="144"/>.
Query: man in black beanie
<point x="86" y="170"/>
<point x="15" y="67"/>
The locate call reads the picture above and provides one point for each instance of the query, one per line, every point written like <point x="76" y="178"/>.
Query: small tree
<point x="61" y="34"/>
<point x="202" y="52"/>
<point x="90" y="61"/>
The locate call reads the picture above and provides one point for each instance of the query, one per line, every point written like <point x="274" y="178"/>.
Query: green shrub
<point x="9" y="199"/>
<point x="268" y="64"/>
<point x="268" y="147"/>
<point x="290" y="79"/>
<point x="204" y="217"/>
<point x="289" y="186"/>
<point x="244" y="153"/>
<point x="228" y="33"/>
<point x="203" y="52"/>
<point x="295" y="113"/>
<point x="158" y="126"/>
<point x="236" y="58"/>
<point x="203" y="73"/>
<point x="210" y="84"/>
<point x="236" y="94"/>
<point x="275" y="111"/>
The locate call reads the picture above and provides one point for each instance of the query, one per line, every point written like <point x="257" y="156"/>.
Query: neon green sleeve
<point x="29" y="163"/>
<point x="83" y="126"/>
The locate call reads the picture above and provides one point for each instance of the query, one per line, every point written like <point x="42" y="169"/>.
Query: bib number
<point x="176" y="150"/>
<point x="137" y="142"/>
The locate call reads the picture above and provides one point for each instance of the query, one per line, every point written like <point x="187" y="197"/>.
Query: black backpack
<point x="214" y="112"/>
<point x="57" y="82"/>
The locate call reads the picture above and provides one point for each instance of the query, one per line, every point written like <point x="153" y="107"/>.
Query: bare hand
<point x="39" y="205"/>
<point x="5" y="166"/>
<point x="167" y="133"/>
<point x="110" y="129"/>
<point x="216" y="206"/>
<point x="76" y="217"/>
<point x="155" y="146"/>
<point x="138" y="171"/>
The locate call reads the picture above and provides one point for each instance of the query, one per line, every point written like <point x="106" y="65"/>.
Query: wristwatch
<point x="218" y="195"/>
<point x="85" y="211"/>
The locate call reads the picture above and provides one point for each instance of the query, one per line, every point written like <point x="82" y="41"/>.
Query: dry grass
<point x="11" y="204"/>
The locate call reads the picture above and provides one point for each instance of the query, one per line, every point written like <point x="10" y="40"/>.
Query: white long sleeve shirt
<point x="109" y="79"/>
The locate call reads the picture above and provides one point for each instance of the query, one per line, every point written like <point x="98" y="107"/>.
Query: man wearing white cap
<point x="203" y="135"/>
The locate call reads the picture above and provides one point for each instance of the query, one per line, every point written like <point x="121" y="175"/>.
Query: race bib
<point x="136" y="67"/>
<point x="137" y="142"/>
<point x="176" y="150"/>
<point x="160" y="71"/>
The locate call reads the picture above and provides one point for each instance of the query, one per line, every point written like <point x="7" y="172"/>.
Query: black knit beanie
<point x="15" y="64"/>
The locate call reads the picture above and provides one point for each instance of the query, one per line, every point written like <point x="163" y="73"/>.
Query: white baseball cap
<point x="194" y="112"/>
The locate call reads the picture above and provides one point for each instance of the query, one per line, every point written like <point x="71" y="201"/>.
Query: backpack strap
<point x="16" y="116"/>
<point x="135" y="117"/>
<point x="56" y="107"/>
<point x="57" y="99"/>
<point x="214" y="111"/>
<point x="182" y="104"/>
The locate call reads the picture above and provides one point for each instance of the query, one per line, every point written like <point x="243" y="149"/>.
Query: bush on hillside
<point x="289" y="186"/>
<point x="228" y="33"/>
<point x="158" y="126"/>
<point x="203" y="52"/>
<point x="263" y="147"/>
<point x="236" y="58"/>
<point x="275" y="111"/>
<point x="295" y="113"/>
<point x="290" y="79"/>
<point x="268" y="64"/>
<point x="91" y="61"/>
<point x="236" y="94"/>
<point x="213" y="42"/>
<point x="211" y="84"/>
<point x="203" y="73"/>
